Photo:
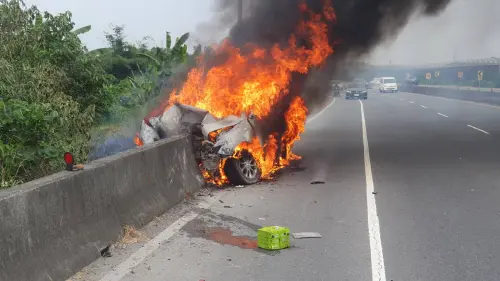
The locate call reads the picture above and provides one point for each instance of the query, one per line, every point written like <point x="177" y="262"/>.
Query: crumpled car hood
<point x="242" y="131"/>
<point x="210" y="124"/>
<point x="180" y="115"/>
<point x="171" y="122"/>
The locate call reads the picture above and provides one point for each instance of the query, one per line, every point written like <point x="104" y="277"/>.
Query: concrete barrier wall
<point x="52" y="227"/>
<point x="467" y="95"/>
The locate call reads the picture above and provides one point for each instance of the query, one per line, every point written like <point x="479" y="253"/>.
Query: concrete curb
<point x="54" y="226"/>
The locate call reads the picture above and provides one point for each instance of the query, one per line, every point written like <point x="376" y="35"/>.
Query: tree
<point x="51" y="92"/>
<point x="121" y="58"/>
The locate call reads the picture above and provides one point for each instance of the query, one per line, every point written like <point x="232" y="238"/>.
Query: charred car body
<point x="215" y="140"/>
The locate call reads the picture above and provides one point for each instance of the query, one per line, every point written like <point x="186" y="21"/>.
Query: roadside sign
<point x="428" y="76"/>
<point x="480" y="75"/>
<point x="460" y="75"/>
<point x="436" y="74"/>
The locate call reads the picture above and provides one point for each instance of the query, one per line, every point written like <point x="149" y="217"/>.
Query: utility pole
<point x="240" y="10"/>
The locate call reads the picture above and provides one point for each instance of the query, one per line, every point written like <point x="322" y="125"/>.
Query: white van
<point x="388" y="84"/>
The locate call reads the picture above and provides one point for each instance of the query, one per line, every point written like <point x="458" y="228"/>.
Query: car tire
<point x="243" y="170"/>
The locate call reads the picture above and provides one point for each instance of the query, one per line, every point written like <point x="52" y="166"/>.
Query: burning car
<point x="215" y="140"/>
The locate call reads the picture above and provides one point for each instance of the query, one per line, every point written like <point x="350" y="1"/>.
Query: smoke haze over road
<point x="465" y="30"/>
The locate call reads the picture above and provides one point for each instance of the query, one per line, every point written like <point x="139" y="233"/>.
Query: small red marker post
<point x="70" y="161"/>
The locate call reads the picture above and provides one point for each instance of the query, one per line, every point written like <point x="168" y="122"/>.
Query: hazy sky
<point x="468" y="27"/>
<point x="140" y="18"/>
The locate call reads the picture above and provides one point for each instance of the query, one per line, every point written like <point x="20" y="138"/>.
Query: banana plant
<point x="165" y="58"/>
<point x="82" y="30"/>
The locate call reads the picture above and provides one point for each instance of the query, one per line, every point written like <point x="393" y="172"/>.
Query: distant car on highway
<point x="411" y="81"/>
<point x="388" y="84"/>
<point x="361" y="81"/>
<point x="356" y="90"/>
<point x="375" y="83"/>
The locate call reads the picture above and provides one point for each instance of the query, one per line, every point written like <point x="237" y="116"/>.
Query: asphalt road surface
<point x="415" y="196"/>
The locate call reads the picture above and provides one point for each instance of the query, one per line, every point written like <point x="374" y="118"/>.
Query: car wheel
<point x="243" y="170"/>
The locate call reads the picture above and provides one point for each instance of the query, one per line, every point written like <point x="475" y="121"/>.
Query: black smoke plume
<point x="360" y="26"/>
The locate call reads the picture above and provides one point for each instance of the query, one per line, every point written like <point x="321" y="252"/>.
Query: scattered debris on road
<point x="227" y="207"/>
<point x="273" y="238"/>
<point x="374" y="193"/>
<point x="317" y="182"/>
<point x="262" y="219"/>
<point x="301" y="235"/>
<point x="106" y="252"/>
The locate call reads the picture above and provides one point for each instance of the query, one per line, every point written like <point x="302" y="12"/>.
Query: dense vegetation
<point x="54" y="93"/>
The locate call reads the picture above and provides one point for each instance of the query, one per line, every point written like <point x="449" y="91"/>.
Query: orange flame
<point x="137" y="140"/>
<point x="295" y="120"/>
<point x="253" y="82"/>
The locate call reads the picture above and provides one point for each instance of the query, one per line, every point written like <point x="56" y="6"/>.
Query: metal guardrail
<point x="459" y="63"/>
<point x="463" y="88"/>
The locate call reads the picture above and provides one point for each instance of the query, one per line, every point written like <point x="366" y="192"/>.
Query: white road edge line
<point x="480" y="130"/>
<point x="138" y="257"/>
<point x="321" y="112"/>
<point x="442" y="115"/>
<point x="377" y="255"/>
<point x="411" y="102"/>
<point x="423" y="106"/>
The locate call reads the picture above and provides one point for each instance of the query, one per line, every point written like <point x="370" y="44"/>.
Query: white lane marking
<point x="412" y="102"/>
<point x="321" y="112"/>
<point x="442" y="115"/>
<point x="423" y="106"/>
<point x="377" y="255"/>
<point x="450" y="99"/>
<point x="476" y="128"/>
<point x="138" y="257"/>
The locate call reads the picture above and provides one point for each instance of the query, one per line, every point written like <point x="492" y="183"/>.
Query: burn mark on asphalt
<point x="224" y="230"/>
<point x="225" y="236"/>
<point x="227" y="230"/>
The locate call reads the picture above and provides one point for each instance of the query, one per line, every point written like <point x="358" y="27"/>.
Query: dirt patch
<point x="132" y="236"/>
